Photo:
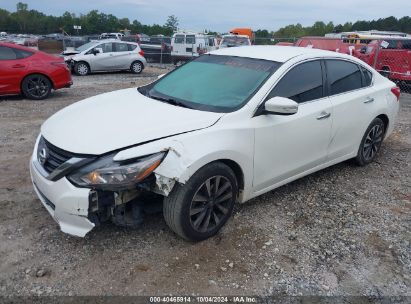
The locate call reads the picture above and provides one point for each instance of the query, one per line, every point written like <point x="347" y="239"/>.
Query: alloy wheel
<point x="373" y="142"/>
<point x="211" y="204"/>
<point x="38" y="87"/>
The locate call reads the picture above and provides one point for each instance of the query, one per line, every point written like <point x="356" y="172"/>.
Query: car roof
<point x="275" y="53"/>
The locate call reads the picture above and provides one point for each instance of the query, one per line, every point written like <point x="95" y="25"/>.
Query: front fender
<point x="189" y="152"/>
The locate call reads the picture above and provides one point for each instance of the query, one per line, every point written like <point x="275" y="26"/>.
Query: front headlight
<point x="106" y="174"/>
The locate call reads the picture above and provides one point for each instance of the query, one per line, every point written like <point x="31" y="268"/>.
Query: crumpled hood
<point x="68" y="53"/>
<point x="120" y="119"/>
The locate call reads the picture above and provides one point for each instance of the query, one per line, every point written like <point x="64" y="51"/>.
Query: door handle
<point x="368" y="100"/>
<point x="18" y="66"/>
<point x="323" y="115"/>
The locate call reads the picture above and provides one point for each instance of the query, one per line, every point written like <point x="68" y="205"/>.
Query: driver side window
<point x="302" y="83"/>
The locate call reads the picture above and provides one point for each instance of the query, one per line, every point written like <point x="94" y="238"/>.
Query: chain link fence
<point x="390" y="56"/>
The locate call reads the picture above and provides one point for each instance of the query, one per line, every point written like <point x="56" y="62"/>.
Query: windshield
<point x="213" y="83"/>
<point x="86" y="46"/>
<point x="235" y="41"/>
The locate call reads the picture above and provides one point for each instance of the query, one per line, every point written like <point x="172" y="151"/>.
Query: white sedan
<point x="219" y="130"/>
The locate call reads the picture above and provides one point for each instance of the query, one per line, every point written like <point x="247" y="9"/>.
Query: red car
<point x="31" y="73"/>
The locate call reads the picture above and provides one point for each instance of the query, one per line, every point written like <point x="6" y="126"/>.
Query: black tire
<point x="36" y="86"/>
<point x="181" y="207"/>
<point x="371" y="142"/>
<point x="136" y="67"/>
<point x="81" y="68"/>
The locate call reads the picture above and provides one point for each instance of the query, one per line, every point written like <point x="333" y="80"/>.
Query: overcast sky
<point x="223" y="15"/>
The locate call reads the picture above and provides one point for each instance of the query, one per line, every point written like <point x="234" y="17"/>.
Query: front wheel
<point x="36" y="87"/>
<point x="81" y="68"/>
<point x="198" y="209"/>
<point x="371" y="142"/>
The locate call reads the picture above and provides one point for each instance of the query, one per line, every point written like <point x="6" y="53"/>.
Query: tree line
<point x="320" y="28"/>
<point x="27" y="21"/>
<point x="24" y="20"/>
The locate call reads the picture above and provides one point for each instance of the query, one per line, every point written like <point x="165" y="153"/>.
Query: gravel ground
<point x="342" y="231"/>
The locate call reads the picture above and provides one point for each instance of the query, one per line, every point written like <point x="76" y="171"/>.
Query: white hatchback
<point x="224" y="128"/>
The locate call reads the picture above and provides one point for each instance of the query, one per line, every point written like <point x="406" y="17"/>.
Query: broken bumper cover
<point x="67" y="204"/>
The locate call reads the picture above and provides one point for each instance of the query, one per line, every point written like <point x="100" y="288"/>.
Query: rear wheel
<point x="36" y="87"/>
<point x="136" y="67"/>
<point x="371" y="142"/>
<point x="81" y="69"/>
<point x="198" y="209"/>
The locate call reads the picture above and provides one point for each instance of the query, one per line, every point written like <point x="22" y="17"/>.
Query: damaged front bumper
<point x="67" y="204"/>
<point x="78" y="210"/>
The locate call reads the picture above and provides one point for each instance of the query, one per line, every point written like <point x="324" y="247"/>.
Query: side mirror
<point x="280" y="106"/>
<point x="160" y="76"/>
<point x="97" y="51"/>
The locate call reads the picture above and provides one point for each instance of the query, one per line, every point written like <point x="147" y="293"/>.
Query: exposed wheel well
<point x="49" y="79"/>
<point x="385" y="119"/>
<point x="237" y="171"/>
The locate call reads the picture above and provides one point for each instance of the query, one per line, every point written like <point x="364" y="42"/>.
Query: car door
<point x="191" y="46"/>
<point x="286" y="146"/>
<point x="122" y="56"/>
<point x="353" y="98"/>
<point x="103" y="61"/>
<point x="13" y="68"/>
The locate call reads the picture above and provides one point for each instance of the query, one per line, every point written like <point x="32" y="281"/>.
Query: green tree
<point x="172" y="23"/>
<point x="21" y="15"/>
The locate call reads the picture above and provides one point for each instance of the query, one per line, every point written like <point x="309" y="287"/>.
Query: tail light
<point x="60" y="64"/>
<point x="141" y="53"/>
<point x="396" y="91"/>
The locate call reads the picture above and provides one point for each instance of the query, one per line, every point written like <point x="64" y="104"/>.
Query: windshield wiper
<point x="170" y="101"/>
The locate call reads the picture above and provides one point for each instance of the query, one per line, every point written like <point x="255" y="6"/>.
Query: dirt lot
<point x="342" y="231"/>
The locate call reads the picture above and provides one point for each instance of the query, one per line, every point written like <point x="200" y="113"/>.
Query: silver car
<point x="106" y="55"/>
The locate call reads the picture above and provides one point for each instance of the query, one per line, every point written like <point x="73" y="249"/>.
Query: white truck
<point x="187" y="45"/>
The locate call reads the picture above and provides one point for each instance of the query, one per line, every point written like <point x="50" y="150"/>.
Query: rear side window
<point x="7" y="53"/>
<point x="131" y="47"/>
<point x="179" y="39"/>
<point x="21" y="54"/>
<point x="121" y="47"/>
<point x="406" y="44"/>
<point x="343" y="76"/>
<point x="303" y="83"/>
<point x="367" y="77"/>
